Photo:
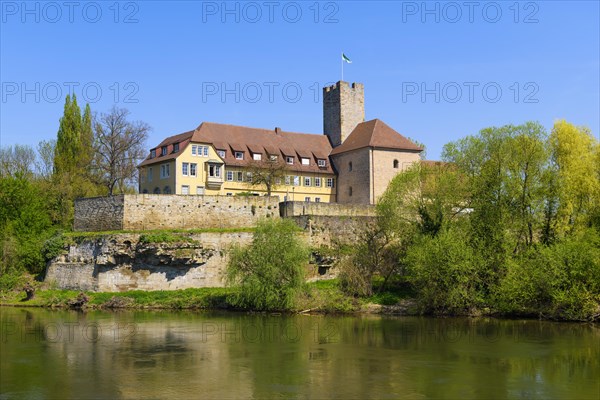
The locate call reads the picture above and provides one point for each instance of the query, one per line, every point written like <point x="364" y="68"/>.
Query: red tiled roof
<point x="375" y="133"/>
<point x="183" y="139"/>
<point x="241" y="138"/>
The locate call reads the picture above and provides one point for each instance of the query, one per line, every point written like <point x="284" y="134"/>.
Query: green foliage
<point x="54" y="246"/>
<point x="12" y="280"/>
<point x="270" y="271"/>
<point x="561" y="281"/>
<point x="445" y="272"/>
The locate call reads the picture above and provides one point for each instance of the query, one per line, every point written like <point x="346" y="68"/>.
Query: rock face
<point x="122" y="262"/>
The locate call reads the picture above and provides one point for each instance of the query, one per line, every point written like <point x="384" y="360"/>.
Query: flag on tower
<point x="345" y="58"/>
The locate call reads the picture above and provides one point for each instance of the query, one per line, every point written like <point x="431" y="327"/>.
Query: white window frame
<point x="309" y="180"/>
<point x="257" y="156"/>
<point x="307" y="199"/>
<point x="321" y="162"/>
<point x="330" y="183"/>
<point x="185" y="188"/>
<point x="200" y="190"/>
<point x="149" y="175"/>
<point x="185" y="169"/>
<point x="289" y="160"/>
<point x="214" y="171"/>
<point x="165" y="171"/>
<point x="317" y="181"/>
<point x="194" y="149"/>
<point x="229" y="176"/>
<point x="205" y="151"/>
<point x="239" y="155"/>
<point x="273" y="157"/>
<point x="317" y="199"/>
<point x="305" y="161"/>
<point x="222" y="153"/>
<point x="296" y="180"/>
<point x="240" y="176"/>
<point x="193" y="169"/>
<point x="175" y="147"/>
<point x="288" y="179"/>
<point x="163" y="151"/>
<point x="153" y="153"/>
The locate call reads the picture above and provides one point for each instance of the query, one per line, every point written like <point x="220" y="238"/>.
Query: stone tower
<point x="343" y="109"/>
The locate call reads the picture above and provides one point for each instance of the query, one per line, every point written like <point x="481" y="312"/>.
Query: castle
<point x="351" y="163"/>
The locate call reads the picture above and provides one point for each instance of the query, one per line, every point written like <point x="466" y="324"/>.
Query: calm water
<point x="62" y="354"/>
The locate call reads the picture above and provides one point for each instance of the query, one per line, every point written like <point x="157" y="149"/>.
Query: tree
<point x="17" y="160"/>
<point x="119" y="146"/>
<point x="68" y="141"/>
<point x="575" y="161"/>
<point x="45" y="163"/>
<point x="270" y="271"/>
<point x="269" y="172"/>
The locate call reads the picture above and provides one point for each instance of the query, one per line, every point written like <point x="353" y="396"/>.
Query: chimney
<point x="277" y="130"/>
<point x="343" y="109"/>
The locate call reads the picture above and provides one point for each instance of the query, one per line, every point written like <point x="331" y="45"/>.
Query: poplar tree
<point x="68" y="141"/>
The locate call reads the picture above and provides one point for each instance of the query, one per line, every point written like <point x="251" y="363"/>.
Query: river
<point x="158" y="354"/>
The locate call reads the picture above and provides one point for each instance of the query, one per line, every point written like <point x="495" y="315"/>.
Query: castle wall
<point x="343" y="109"/>
<point x="290" y="209"/>
<point x="383" y="167"/>
<point x="99" y="213"/>
<point x="359" y="179"/>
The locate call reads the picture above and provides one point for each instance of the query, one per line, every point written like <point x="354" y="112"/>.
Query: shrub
<point x="270" y="271"/>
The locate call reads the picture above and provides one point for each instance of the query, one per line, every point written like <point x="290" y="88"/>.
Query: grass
<point x="320" y="296"/>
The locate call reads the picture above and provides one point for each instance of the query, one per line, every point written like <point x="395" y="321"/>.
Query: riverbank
<point x="316" y="297"/>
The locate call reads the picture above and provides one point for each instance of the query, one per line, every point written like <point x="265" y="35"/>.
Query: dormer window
<point x="257" y="156"/>
<point x="321" y="163"/>
<point x="221" y="153"/>
<point x="153" y="153"/>
<point x="175" y="147"/>
<point x="289" y="160"/>
<point x="273" y="157"/>
<point x="239" y="155"/>
<point x="163" y="151"/>
<point x="305" y="161"/>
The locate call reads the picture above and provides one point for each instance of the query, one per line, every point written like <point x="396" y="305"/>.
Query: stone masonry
<point x="343" y="109"/>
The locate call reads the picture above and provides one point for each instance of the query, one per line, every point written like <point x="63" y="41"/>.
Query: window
<point x="214" y="171"/>
<point x="229" y="194"/>
<point x="149" y="174"/>
<point x="163" y="151"/>
<point x="167" y="190"/>
<point x="164" y="171"/>
<point x="194" y="149"/>
<point x="317" y="199"/>
<point x="229" y="176"/>
<point x="205" y="150"/>
<point x="185" y="189"/>
<point x="288" y="179"/>
<point x="221" y="153"/>
<point x="330" y="183"/>
<point x="176" y="148"/>
<point x="200" y="190"/>
<point x="305" y="161"/>
<point x="185" y="168"/>
<point x="145" y="191"/>
<point x="239" y="155"/>
<point x="152" y="153"/>
<point x="321" y="163"/>
<point x="317" y="182"/>
<point x="350" y="191"/>
<point x="248" y="176"/>
<point x="307" y="181"/>
<point x="350" y="166"/>
<point x="307" y="199"/>
<point x="289" y="159"/>
<point x="156" y="190"/>
<point x="257" y="156"/>
<point x="296" y="181"/>
<point x="273" y="157"/>
<point x="396" y="163"/>
<point x="193" y="169"/>
<point x="240" y="176"/>
<point x="277" y="180"/>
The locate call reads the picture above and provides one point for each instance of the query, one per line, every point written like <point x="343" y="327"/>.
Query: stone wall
<point x="99" y="213"/>
<point x="114" y="263"/>
<point x="328" y="231"/>
<point x="343" y="109"/>
<point x="299" y="208"/>
<point x="360" y="179"/>
<point x="150" y="211"/>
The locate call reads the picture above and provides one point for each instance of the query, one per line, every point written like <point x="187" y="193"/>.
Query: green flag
<point x="349" y="61"/>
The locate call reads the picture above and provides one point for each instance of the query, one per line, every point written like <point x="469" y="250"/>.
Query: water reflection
<point x="63" y="354"/>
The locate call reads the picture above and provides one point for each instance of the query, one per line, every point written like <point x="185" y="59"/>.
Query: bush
<point x="270" y="271"/>
<point x="444" y="271"/>
<point x="561" y="281"/>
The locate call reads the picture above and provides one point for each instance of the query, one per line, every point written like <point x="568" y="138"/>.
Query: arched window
<point x="156" y="190"/>
<point x="350" y="166"/>
<point x="350" y="191"/>
<point x="396" y="163"/>
<point x="145" y="191"/>
<point x="167" y="190"/>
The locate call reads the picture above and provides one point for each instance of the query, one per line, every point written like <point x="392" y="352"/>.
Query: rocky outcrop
<point x="114" y="263"/>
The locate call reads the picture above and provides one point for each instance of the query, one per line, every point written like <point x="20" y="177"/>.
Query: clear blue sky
<point x="168" y="63"/>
